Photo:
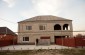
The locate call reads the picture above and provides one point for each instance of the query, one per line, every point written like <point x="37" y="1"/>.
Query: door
<point x="45" y="40"/>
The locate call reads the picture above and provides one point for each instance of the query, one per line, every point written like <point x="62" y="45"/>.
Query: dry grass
<point x="46" y="52"/>
<point x="72" y="51"/>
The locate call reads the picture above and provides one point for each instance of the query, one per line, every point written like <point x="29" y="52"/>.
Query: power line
<point x="49" y="31"/>
<point x="8" y="21"/>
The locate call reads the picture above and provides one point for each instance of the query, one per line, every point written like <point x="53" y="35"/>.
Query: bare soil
<point x="46" y="52"/>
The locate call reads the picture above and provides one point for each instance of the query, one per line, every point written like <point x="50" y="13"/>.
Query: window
<point x="42" y="27"/>
<point x="28" y="27"/>
<point x="66" y="27"/>
<point x="57" y="27"/>
<point x="25" y="38"/>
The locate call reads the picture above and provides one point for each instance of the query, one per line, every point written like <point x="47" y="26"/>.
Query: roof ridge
<point x="45" y="17"/>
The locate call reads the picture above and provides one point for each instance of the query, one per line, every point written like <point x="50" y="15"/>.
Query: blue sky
<point x="13" y="11"/>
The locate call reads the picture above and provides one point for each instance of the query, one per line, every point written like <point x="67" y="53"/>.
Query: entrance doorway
<point x="37" y="40"/>
<point x="45" y="40"/>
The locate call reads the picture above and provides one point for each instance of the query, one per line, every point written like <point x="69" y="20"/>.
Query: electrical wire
<point x="7" y="21"/>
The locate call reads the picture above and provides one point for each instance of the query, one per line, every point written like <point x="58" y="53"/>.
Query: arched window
<point x="66" y="27"/>
<point x="57" y="27"/>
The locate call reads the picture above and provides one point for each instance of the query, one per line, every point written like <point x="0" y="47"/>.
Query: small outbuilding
<point x="7" y="37"/>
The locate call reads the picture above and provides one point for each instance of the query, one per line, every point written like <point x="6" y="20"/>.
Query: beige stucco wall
<point x="36" y="33"/>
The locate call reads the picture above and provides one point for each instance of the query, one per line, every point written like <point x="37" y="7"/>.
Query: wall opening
<point x="66" y="27"/>
<point x="57" y="27"/>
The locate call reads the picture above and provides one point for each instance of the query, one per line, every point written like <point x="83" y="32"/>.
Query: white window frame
<point x="25" y="40"/>
<point x="28" y="27"/>
<point x="42" y="27"/>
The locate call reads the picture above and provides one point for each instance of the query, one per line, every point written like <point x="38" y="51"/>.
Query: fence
<point x="7" y="42"/>
<point x="71" y="42"/>
<point x="80" y="41"/>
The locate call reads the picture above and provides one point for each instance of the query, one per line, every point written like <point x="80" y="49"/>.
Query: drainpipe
<point x="5" y="33"/>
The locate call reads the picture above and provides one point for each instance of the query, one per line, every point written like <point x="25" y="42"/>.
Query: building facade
<point x="44" y="29"/>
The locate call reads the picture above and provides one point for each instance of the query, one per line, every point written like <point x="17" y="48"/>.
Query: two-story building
<point x="44" y="29"/>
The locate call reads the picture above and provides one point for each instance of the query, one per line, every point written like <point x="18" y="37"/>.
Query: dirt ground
<point x="31" y="52"/>
<point x="46" y="52"/>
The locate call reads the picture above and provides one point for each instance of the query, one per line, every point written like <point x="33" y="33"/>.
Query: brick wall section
<point x="8" y="40"/>
<point x="71" y="42"/>
<point x="66" y="42"/>
<point x="80" y="41"/>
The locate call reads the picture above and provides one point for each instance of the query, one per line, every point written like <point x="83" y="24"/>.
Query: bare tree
<point x="79" y="35"/>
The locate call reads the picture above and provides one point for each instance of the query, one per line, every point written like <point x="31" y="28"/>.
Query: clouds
<point x="44" y="7"/>
<point x="21" y="9"/>
<point x="47" y="6"/>
<point x="10" y="3"/>
<point x="27" y="14"/>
